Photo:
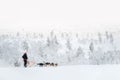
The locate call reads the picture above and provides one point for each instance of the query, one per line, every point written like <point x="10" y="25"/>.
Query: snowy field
<point x="102" y="72"/>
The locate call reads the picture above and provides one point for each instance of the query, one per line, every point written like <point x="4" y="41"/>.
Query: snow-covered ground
<point x="83" y="72"/>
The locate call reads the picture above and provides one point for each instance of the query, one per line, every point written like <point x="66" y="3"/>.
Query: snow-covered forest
<point x="62" y="48"/>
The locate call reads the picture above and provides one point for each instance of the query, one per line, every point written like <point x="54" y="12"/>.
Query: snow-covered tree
<point x="91" y="47"/>
<point x="111" y="38"/>
<point x="25" y="45"/>
<point x="68" y="44"/>
<point x="100" y="37"/>
<point x="79" y="52"/>
<point x="107" y="35"/>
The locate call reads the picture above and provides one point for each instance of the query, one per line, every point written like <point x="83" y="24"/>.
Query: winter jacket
<point x="25" y="56"/>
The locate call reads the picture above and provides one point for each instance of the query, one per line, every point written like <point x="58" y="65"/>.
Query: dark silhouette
<point x="47" y="64"/>
<point x="25" y="58"/>
<point x="41" y="64"/>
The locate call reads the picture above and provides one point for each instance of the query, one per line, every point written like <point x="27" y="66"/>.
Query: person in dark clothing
<point x="25" y="58"/>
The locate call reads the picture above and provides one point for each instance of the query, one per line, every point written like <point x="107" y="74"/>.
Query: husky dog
<point x="40" y="64"/>
<point x="47" y="64"/>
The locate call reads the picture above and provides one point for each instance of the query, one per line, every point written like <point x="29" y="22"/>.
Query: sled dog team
<point x="44" y="64"/>
<point x="47" y="64"/>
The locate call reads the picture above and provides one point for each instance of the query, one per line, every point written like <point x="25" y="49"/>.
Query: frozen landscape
<point x="90" y="56"/>
<point x="81" y="36"/>
<point x="87" y="56"/>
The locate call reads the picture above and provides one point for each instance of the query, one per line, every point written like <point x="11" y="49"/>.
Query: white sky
<point x="64" y="15"/>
